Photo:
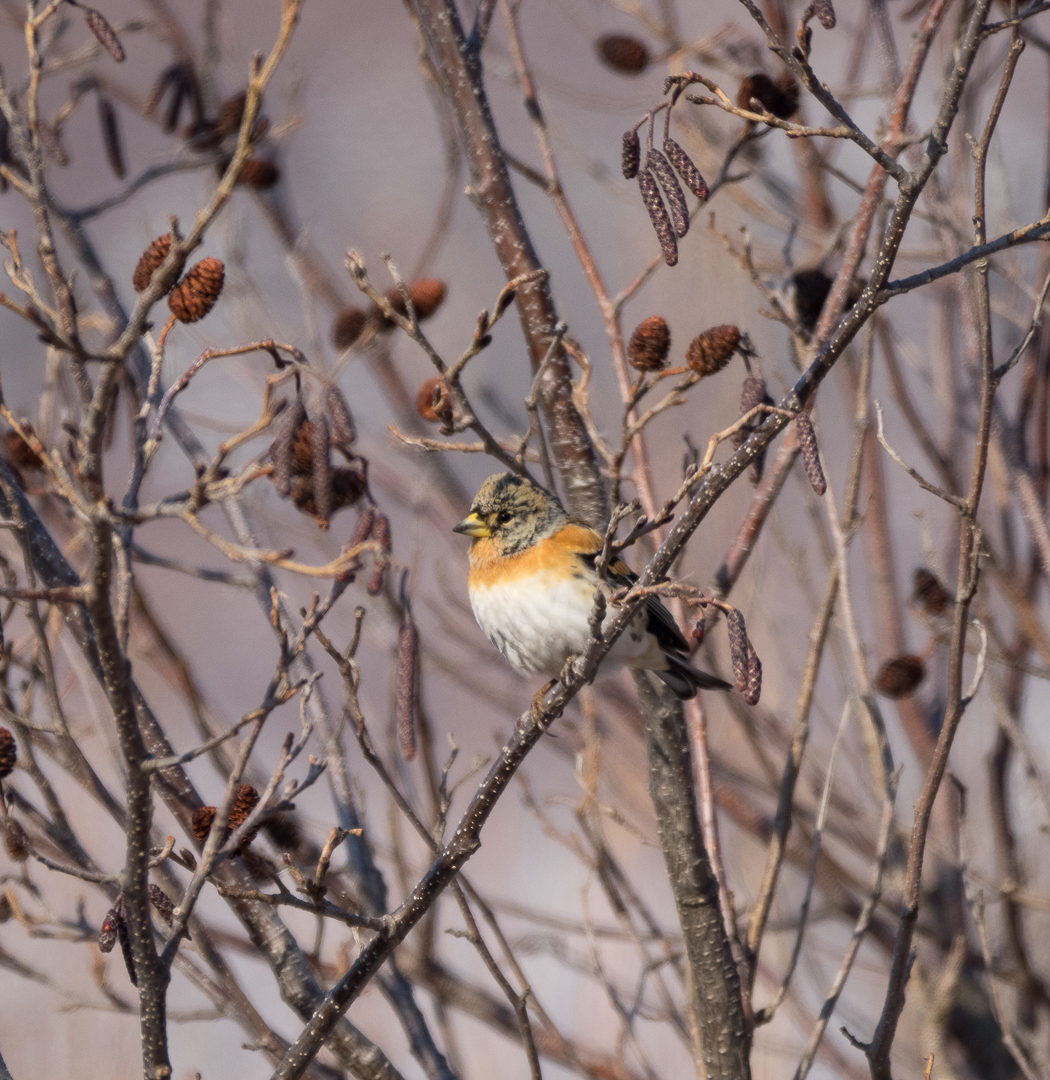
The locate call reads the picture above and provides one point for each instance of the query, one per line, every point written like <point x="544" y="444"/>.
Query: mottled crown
<point x="517" y="512"/>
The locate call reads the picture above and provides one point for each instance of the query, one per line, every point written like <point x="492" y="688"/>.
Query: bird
<point x="533" y="574"/>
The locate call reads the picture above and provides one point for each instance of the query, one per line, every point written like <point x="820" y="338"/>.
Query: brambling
<point x="533" y="573"/>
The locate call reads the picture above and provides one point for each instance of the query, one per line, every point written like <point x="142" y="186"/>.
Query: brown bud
<point x="434" y="402"/>
<point x="825" y="13"/>
<point x="811" y="291"/>
<point x="807" y="442"/>
<point x="195" y="295"/>
<point x="686" y="169"/>
<point x="900" y="676"/>
<point x="624" y="54"/>
<point x="739" y="648"/>
<point x="231" y="112"/>
<point x="15" y="841"/>
<point x="106" y="35"/>
<point x="649" y="345"/>
<point x="630" y="155"/>
<point x="771" y="97"/>
<point x="259" y="173"/>
<point x="283" y="451"/>
<point x="246" y="801"/>
<point x="427" y="295"/>
<point x="111" y="140"/>
<point x="201" y="823"/>
<point x="929" y="593"/>
<point x="348" y="325"/>
<point x="407" y="667"/>
<point x="787" y="85"/>
<point x="710" y="351"/>
<point x="658" y="216"/>
<point x="322" y="471"/>
<point x="381" y="531"/>
<point x="660" y="167"/>
<point x="149" y="260"/>
<point x="8" y="753"/>
<point x="340" y="420"/>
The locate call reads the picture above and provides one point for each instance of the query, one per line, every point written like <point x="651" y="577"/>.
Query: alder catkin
<point x="107" y="118"/>
<point x="658" y="216"/>
<point x="753" y="393"/>
<point x="752" y="690"/>
<point x="107" y="935"/>
<point x="686" y="169"/>
<point x="660" y="167"/>
<point x="282" y="450"/>
<point x="807" y="442"/>
<point x="322" y="471"/>
<point x="407" y="667"/>
<point x="739" y="648"/>
<point x="630" y="155"/>
<point x="104" y="33"/>
<point x="340" y="419"/>
<point x="161" y="904"/>
<point x="125" y="947"/>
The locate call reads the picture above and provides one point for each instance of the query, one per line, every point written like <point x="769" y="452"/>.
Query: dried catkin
<point x="739" y="648"/>
<point x="825" y="13"/>
<point x="104" y="33"/>
<point x="685" y="168"/>
<point x="807" y="442"/>
<point x="149" y="260"/>
<point x="658" y="216"/>
<point x="161" y="904"/>
<point x="322" y="471"/>
<point x="340" y="420"/>
<point x="281" y="451"/>
<point x="107" y="935"/>
<point x="125" y="947"/>
<point x="660" y="167"/>
<point x="111" y="140"/>
<point x="630" y="155"/>
<point x="407" y="667"/>
<point x="649" y="345"/>
<point x="753" y="393"/>
<point x="752" y="690"/>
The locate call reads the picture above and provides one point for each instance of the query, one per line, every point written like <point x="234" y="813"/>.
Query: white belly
<point x="538" y="623"/>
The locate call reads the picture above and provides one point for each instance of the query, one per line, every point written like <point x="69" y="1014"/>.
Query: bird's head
<point x="512" y="512"/>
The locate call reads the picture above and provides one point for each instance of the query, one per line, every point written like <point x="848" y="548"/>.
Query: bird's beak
<point x="472" y="525"/>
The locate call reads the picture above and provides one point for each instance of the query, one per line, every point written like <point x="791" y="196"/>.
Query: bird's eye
<point x="503" y="517"/>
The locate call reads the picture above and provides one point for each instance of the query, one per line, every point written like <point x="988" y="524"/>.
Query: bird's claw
<point x="536" y="708"/>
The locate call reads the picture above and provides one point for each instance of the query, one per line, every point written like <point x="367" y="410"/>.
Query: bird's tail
<point x="684" y="680"/>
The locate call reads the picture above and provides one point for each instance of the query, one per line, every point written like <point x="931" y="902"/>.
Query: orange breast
<point x="553" y="555"/>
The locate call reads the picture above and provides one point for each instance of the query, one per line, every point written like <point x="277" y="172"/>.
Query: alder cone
<point x="201" y="821"/>
<point x="8" y="753"/>
<point x="426" y="294"/>
<point x="900" y="676"/>
<point x="433" y="402"/>
<point x="19" y="453"/>
<point x="929" y="593"/>
<point x="247" y="800"/>
<point x="778" y="100"/>
<point x="710" y="351"/>
<point x="259" y="173"/>
<point x="649" y="345"/>
<point x="348" y="327"/>
<point x="149" y="260"/>
<point x="196" y="293"/>
<point x="347" y="485"/>
<point x="811" y="291"/>
<point x="623" y="53"/>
